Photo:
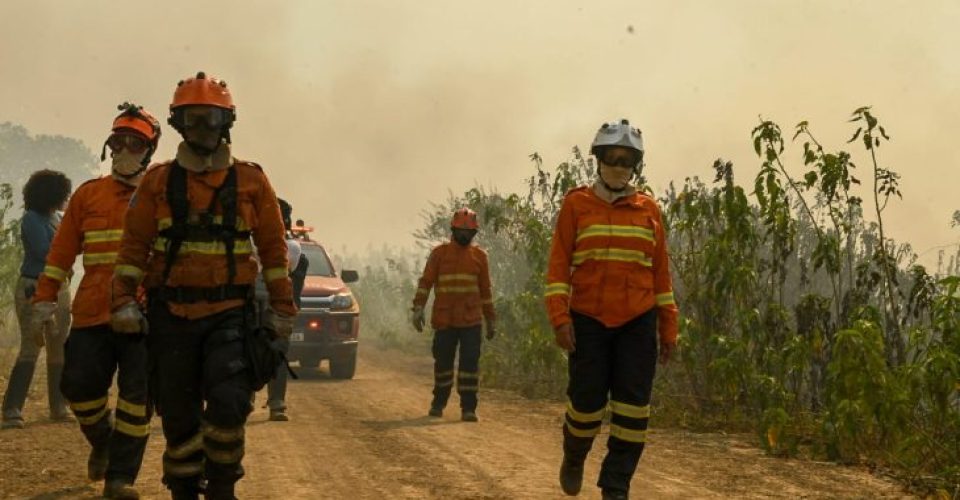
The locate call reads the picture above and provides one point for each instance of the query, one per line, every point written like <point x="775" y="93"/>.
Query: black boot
<point x="614" y="495"/>
<point x="184" y="488"/>
<point x="58" y="404"/>
<point x="97" y="462"/>
<point x="220" y="491"/>
<point x="120" y="489"/>
<point x="571" y="476"/>
<point x="13" y="400"/>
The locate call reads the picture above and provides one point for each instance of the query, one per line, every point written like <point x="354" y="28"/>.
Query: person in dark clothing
<point x="44" y="194"/>
<point x="277" y="388"/>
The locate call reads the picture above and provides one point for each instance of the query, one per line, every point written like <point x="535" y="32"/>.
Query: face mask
<point x="615" y="178"/>
<point x="189" y="159"/>
<point x="127" y="166"/>
<point x="462" y="238"/>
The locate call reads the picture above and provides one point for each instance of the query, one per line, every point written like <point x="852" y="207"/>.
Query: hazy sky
<point x="364" y="111"/>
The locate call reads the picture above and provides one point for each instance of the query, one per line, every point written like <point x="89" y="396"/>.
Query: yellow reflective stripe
<point x="274" y="273"/>
<point x="488" y="301"/>
<point x="92" y="419"/>
<point x="217" y="219"/>
<point x="585" y="418"/>
<point x="223" y="456"/>
<point x="467" y="388"/>
<point x="629" y="435"/>
<point x="458" y="289"/>
<point x="583" y="433"/>
<point x="631" y="411"/>
<point x="207" y="247"/>
<point x="599" y="230"/>
<point x="88" y="405"/>
<point x="131" y="429"/>
<point x="131" y="408"/>
<point x="93" y="259"/>
<point x="128" y="271"/>
<point x="615" y="254"/>
<point x="447" y="383"/>
<point x="104" y="236"/>
<point x="665" y="299"/>
<point x="55" y="273"/>
<point x="223" y="435"/>
<point x="457" y="277"/>
<point x="187" y="448"/>
<point x="444" y="374"/>
<point x="182" y="470"/>
<point x="468" y="376"/>
<point x="557" y="289"/>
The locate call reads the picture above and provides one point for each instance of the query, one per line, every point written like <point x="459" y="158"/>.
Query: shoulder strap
<point x="179" y="211"/>
<point x="227" y="196"/>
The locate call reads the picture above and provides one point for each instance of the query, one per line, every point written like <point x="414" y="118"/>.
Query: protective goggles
<point x="206" y="116"/>
<point x="620" y="158"/>
<point x="132" y="143"/>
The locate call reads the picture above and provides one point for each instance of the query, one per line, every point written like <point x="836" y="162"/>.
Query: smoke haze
<point x="364" y="111"/>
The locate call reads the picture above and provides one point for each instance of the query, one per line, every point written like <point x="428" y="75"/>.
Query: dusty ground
<point x="368" y="438"/>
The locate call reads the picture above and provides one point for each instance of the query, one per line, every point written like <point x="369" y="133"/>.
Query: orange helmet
<point x="135" y="118"/>
<point x="465" y="218"/>
<point x="202" y="91"/>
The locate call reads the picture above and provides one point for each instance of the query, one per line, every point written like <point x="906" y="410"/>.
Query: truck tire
<point x="344" y="365"/>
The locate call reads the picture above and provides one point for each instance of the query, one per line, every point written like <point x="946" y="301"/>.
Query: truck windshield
<point x="319" y="262"/>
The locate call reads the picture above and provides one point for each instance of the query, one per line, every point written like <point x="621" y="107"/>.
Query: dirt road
<point x="368" y="438"/>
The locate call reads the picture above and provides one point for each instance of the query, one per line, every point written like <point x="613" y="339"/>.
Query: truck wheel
<point x="344" y="366"/>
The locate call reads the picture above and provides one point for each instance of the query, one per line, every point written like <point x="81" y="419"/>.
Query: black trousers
<point x="445" y="343"/>
<point x="611" y="367"/>
<point x="91" y="357"/>
<point x="203" y="393"/>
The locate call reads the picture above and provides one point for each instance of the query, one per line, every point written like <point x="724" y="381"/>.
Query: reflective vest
<point x="609" y="262"/>
<point x="460" y="279"/>
<point x="213" y="267"/>
<point x="92" y="226"/>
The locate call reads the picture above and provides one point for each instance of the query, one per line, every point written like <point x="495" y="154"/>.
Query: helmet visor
<point x="210" y="117"/>
<point x="132" y="143"/>
<point x="615" y="156"/>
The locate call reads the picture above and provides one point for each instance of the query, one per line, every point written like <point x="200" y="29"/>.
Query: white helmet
<point x="618" y="134"/>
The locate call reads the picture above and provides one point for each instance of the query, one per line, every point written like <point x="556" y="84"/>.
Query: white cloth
<point x="294" y="251"/>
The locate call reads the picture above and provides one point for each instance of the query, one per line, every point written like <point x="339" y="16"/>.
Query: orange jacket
<point x="92" y="225"/>
<point x="609" y="262"/>
<point x="204" y="265"/>
<point x="460" y="277"/>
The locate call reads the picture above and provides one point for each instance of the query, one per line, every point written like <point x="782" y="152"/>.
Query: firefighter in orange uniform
<point x="189" y="239"/>
<point x="92" y="225"/>
<point x="610" y="300"/>
<point x="458" y="273"/>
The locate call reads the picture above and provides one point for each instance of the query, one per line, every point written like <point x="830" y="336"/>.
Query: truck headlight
<point x="344" y="301"/>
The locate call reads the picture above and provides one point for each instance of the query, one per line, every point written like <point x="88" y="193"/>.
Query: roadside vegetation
<point x="802" y="321"/>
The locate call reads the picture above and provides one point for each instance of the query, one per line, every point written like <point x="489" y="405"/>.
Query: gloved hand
<point x="565" y="337"/>
<point x="491" y="330"/>
<point x="280" y="325"/>
<point x="41" y="314"/>
<point x="667" y="350"/>
<point x="128" y="319"/>
<point x="419" y="319"/>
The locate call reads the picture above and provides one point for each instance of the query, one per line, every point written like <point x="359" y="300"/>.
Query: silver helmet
<point x="618" y="134"/>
